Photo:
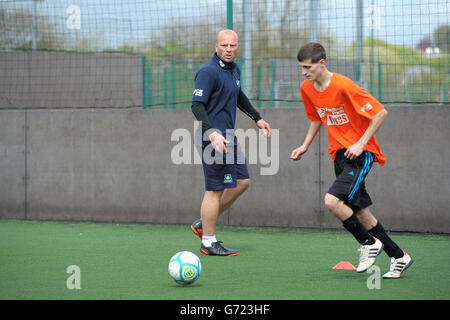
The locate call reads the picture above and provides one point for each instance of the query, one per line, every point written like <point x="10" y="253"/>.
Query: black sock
<point x="390" y="247"/>
<point x="355" y="227"/>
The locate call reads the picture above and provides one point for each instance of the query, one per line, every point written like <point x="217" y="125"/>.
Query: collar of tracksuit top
<point x="223" y="64"/>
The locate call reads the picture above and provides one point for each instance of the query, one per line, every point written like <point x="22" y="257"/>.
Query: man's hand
<point x="264" y="126"/>
<point x="297" y="153"/>
<point x="218" y="142"/>
<point x="354" y="151"/>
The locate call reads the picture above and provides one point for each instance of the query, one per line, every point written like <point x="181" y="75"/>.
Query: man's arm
<point x="199" y="111"/>
<point x="375" y="123"/>
<point x="245" y="106"/>
<point x="314" y="127"/>
<point x="217" y="139"/>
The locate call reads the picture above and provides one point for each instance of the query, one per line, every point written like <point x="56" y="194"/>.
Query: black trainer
<point x="196" y="228"/>
<point x="217" y="249"/>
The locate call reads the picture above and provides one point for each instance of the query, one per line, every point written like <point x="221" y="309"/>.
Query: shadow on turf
<point x="193" y="285"/>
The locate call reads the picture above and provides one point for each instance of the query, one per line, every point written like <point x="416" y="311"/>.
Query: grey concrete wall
<point x="105" y="165"/>
<point x="12" y="164"/>
<point x="412" y="191"/>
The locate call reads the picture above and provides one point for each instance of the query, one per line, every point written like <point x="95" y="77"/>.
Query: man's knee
<point x="331" y="202"/>
<point x="243" y="184"/>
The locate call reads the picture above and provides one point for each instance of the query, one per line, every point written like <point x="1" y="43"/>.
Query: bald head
<point x="227" y="45"/>
<point x="227" y="33"/>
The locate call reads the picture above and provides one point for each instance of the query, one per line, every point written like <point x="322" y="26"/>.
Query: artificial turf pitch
<point x="129" y="261"/>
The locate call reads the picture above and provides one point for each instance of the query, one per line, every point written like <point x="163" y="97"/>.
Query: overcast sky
<point x="119" y="21"/>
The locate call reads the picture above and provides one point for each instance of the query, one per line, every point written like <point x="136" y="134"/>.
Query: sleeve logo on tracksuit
<point x="198" y="92"/>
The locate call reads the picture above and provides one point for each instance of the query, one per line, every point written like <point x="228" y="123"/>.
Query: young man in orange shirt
<point x="352" y="117"/>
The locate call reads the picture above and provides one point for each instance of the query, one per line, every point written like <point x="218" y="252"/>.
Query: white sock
<point x="208" y="240"/>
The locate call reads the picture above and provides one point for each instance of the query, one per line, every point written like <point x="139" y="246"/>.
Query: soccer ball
<point x="185" y="267"/>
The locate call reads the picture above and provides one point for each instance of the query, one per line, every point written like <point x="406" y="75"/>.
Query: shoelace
<point x="392" y="266"/>
<point x="218" y="244"/>
<point x="363" y="253"/>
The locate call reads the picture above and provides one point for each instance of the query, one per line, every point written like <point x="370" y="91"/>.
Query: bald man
<point x="217" y="93"/>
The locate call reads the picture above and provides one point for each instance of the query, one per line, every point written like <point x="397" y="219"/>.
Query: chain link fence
<point x="144" y="54"/>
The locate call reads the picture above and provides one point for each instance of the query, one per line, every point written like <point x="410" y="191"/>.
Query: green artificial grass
<point x="129" y="261"/>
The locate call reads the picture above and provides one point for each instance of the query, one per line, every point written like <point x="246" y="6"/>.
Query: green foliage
<point x="441" y="37"/>
<point x="407" y="75"/>
<point x="17" y="32"/>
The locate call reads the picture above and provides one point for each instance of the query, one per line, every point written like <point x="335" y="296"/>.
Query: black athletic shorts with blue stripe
<point x="349" y="185"/>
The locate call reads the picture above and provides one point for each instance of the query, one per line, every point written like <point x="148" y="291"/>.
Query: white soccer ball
<point x="185" y="267"/>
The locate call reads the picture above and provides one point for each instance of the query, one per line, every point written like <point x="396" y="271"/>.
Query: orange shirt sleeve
<point x="310" y="110"/>
<point x="363" y="102"/>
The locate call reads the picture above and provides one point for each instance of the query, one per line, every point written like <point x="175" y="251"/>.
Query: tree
<point x="441" y="37"/>
<point x="424" y="43"/>
<point x="17" y="33"/>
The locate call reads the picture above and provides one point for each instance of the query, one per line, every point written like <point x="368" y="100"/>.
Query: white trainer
<point x="368" y="254"/>
<point x="398" y="266"/>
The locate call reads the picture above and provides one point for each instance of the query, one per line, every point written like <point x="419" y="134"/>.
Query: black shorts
<point x="349" y="185"/>
<point x="224" y="171"/>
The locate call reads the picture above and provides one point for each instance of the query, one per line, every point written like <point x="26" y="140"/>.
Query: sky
<point x="397" y="22"/>
<point x="116" y="22"/>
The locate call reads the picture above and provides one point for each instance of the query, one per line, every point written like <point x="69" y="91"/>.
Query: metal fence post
<point x="230" y="14"/>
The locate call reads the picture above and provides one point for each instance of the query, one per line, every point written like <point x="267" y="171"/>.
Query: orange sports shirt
<point x="345" y="109"/>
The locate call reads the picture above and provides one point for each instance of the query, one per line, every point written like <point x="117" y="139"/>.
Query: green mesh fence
<point x="144" y="54"/>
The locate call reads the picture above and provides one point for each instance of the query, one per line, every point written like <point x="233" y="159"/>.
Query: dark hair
<point x="313" y="50"/>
